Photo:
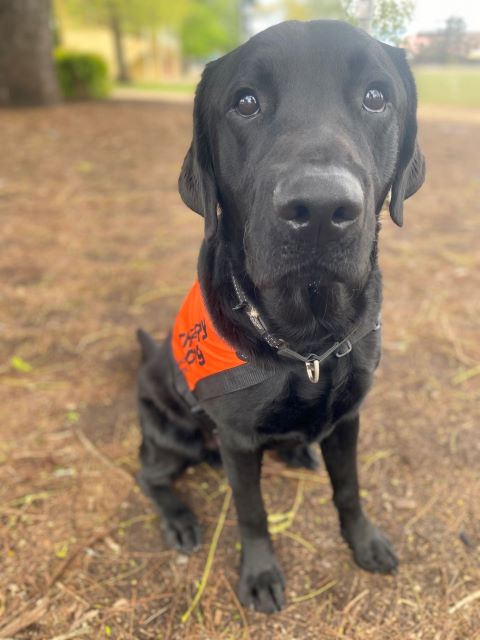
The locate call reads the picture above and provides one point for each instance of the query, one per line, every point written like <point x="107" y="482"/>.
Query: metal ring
<point x="313" y="370"/>
<point x="348" y="348"/>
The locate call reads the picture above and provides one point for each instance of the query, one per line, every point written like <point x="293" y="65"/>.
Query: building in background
<point x="433" y="47"/>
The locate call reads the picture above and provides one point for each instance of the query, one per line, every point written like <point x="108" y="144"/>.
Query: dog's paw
<point x="182" y="531"/>
<point x="371" y="549"/>
<point x="298" y="457"/>
<point x="262" y="590"/>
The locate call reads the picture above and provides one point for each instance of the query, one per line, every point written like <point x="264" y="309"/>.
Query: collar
<point x="312" y="361"/>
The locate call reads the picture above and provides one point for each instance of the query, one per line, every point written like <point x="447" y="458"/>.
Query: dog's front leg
<point x="261" y="582"/>
<point x="371" y="549"/>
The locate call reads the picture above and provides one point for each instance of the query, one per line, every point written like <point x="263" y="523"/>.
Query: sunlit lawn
<point x="163" y="87"/>
<point x="449" y="85"/>
<point x="442" y="85"/>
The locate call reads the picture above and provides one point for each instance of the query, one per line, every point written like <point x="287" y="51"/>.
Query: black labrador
<point x="299" y="137"/>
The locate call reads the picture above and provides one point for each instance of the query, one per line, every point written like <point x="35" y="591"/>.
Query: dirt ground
<point x="95" y="242"/>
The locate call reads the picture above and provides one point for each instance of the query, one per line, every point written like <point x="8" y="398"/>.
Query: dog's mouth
<point x="312" y="267"/>
<point x="299" y="276"/>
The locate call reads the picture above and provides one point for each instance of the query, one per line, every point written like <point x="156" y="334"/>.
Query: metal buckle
<point x="239" y="306"/>
<point x="348" y="347"/>
<point x="313" y="370"/>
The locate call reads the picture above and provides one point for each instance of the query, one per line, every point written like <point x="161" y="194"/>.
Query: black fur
<point x="310" y="79"/>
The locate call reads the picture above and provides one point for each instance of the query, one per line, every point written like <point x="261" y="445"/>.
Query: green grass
<point x="164" y="87"/>
<point x="442" y="85"/>
<point x="448" y="85"/>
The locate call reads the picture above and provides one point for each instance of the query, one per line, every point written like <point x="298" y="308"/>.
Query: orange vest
<point x="210" y="367"/>
<point x="197" y="347"/>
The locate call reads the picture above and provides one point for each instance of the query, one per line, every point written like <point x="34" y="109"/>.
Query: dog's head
<point x="299" y="136"/>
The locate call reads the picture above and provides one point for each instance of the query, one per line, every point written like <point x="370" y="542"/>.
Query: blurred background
<point x="154" y="45"/>
<point x="95" y="121"/>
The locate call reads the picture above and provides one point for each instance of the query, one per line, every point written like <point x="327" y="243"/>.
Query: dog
<point x="299" y="136"/>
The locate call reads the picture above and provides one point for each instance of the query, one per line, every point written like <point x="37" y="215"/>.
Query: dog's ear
<point x="410" y="169"/>
<point x="196" y="183"/>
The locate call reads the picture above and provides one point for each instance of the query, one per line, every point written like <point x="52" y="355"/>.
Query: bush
<point x="82" y="76"/>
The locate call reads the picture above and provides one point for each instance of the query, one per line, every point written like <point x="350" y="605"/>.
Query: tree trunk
<point x="117" y="33"/>
<point x="27" y="71"/>
<point x="3" y="63"/>
<point x="365" y="11"/>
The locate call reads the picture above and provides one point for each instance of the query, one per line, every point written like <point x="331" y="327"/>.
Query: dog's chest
<point x="305" y="411"/>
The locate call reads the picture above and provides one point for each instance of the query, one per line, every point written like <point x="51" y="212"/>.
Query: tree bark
<point x="3" y="62"/>
<point x="117" y="34"/>
<point x="365" y="11"/>
<point x="27" y="71"/>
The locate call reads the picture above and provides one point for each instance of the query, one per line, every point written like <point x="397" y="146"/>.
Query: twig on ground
<point x="155" y="615"/>
<point x="295" y="536"/>
<point x="231" y="590"/>
<point x="158" y="294"/>
<point x="280" y="522"/>
<point x="354" y="601"/>
<point x="374" y="457"/>
<point x="73" y="634"/>
<point x="211" y="555"/>
<point x="464" y="601"/>
<point x="66" y="563"/>
<point x="92" y="338"/>
<point x="463" y="376"/>
<point x="88" y="444"/>
<point x="421" y="513"/>
<point x="346" y="621"/>
<point x="315" y="593"/>
<point x="25" y="619"/>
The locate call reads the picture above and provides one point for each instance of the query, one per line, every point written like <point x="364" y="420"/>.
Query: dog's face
<point x="299" y="135"/>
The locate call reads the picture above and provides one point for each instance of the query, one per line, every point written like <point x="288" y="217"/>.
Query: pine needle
<point x="316" y="592"/>
<point x="211" y="555"/>
<point x="463" y="376"/>
<point x="280" y="522"/>
<point x="305" y="543"/>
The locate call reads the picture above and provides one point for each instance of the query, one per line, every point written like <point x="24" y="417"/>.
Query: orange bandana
<point x="198" y="349"/>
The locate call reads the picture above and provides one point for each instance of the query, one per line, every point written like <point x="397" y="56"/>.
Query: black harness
<point x="250" y="374"/>
<point x="312" y="361"/>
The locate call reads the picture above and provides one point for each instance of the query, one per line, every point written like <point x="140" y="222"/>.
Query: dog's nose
<point x="327" y="203"/>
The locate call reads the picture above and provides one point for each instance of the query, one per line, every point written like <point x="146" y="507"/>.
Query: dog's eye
<point x="373" y="100"/>
<point x="248" y="106"/>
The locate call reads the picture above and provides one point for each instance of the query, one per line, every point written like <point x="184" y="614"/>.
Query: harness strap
<point x="312" y="361"/>
<point x="254" y="316"/>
